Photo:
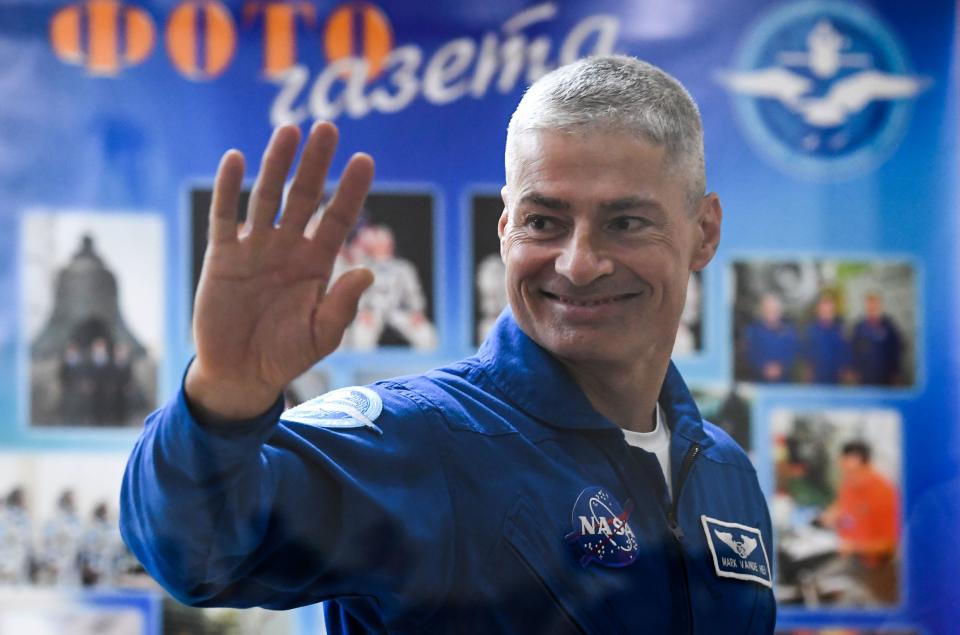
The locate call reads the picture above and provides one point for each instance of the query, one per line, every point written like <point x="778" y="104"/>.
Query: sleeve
<point x="281" y="514"/>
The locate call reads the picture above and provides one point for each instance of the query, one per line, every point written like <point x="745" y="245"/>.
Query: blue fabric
<point x="764" y="345"/>
<point x="828" y="352"/>
<point x="877" y="350"/>
<point x="452" y="520"/>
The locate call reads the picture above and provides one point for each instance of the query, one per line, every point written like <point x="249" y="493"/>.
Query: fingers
<point x="268" y="189"/>
<point x="338" y="309"/>
<point x="341" y="214"/>
<point x="306" y="190"/>
<point x="226" y="199"/>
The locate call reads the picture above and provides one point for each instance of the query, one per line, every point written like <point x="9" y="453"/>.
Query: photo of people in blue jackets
<point x="825" y="322"/>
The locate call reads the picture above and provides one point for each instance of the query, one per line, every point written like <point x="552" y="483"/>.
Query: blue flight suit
<point x="828" y="351"/>
<point x="877" y="351"/>
<point x="764" y="345"/>
<point x="464" y="507"/>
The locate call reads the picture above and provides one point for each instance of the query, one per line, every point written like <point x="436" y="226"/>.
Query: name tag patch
<point x="738" y="551"/>
<point x="601" y="532"/>
<point x="353" y="407"/>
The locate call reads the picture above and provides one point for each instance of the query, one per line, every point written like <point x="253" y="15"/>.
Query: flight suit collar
<point x="539" y="385"/>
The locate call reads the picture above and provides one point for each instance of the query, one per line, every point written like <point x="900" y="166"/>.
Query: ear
<point x="504" y="217"/>
<point x="708" y="218"/>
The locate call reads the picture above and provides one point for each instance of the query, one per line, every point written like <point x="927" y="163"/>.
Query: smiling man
<point x="560" y="480"/>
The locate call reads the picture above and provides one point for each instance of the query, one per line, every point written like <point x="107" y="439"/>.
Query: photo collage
<point x="815" y="329"/>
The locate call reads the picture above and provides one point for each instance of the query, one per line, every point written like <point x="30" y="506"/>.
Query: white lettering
<point x="444" y="67"/>
<point x="605" y="27"/>
<point x="340" y="87"/>
<point x="322" y="106"/>
<point x="407" y="58"/>
<point x="291" y="83"/>
<point x="604" y="527"/>
<point x="587" y="526"/>
<point x="487" y="62"/>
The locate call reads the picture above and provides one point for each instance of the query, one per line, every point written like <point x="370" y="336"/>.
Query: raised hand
<point x="264" y="313"/>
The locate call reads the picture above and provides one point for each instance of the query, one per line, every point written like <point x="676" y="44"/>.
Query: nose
<point x="582" y="259"/>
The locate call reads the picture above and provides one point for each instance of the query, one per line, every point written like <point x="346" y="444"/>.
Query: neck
<point x="627" y="396"/>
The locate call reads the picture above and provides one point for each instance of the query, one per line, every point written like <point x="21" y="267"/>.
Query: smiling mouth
<point x="586" y="302"/>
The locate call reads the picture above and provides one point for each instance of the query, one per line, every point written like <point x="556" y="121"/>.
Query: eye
<point x="539" y="223"/>
<point x="629" y="223"/>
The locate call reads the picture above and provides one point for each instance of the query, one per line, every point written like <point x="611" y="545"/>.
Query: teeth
<point x="573" y="302"/>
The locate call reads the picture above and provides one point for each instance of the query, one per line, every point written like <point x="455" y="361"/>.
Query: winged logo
<point x="844" y="98"/>
<point x="743" y="548"/>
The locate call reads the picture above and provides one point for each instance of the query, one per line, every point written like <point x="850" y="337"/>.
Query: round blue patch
<point x="601" y="531"/>
<point x="823" y="89"/>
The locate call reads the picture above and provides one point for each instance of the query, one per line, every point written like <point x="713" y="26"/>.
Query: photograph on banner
<point x="40" y="611"/>
<point x="837" y="506"/>
<point x="180" y="619"/>
<point x="730" y="407"/>
<point x="93" y="310"/>
<point x="394" y="238"/>
<point x="59" y="534"/>
<point x="58" y="521"/>
<point x="490" y="294"/>
<point x="825" y="321"/>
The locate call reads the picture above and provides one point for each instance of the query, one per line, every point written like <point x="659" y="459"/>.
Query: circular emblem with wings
<point x="823" y="89"/>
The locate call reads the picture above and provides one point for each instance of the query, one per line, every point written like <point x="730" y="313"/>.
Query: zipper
<point x="675" y="529"/>
<point x="685" y="468"/>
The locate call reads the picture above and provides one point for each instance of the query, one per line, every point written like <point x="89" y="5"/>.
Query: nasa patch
<point x="601" y="532"/>
<point x="738" y="551"/>
<point x="353" y="407"/>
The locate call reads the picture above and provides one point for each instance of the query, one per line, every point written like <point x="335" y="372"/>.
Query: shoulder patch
<point x="353" y="407"/>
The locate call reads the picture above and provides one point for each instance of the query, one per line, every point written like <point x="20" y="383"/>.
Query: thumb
<point x="338" y="308"/>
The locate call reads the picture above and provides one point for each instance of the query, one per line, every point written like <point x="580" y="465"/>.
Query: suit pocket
<point x="550" y="591"/>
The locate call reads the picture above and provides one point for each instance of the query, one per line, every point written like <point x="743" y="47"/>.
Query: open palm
<point x="263" y="312"/>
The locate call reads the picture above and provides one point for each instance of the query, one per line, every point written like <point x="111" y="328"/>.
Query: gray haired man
<point x="559" y="481"/>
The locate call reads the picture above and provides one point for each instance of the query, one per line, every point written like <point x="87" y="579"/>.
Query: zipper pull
<point x="676" y="530"/>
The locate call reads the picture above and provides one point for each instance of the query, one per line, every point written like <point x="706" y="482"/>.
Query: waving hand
<point x="265" y="310"/>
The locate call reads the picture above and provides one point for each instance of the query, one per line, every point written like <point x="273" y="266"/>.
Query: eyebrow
<point x="616" y="205"/>
<point x="629" y="203"/>
<point x="549" y="202"/>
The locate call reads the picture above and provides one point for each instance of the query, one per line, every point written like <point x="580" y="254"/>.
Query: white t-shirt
<point x="656" y="441"/>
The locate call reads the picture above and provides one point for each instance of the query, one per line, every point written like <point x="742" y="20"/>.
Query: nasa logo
<point x="738" y="551"/>
<point x="353" y="407"/>
<point x="823" y="89"/>
<point x="601" y="531"/>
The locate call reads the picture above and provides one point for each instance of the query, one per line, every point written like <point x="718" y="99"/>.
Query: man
<point x="866" y="518"/>
<point x="499" y="494"/>
<point x="826" y="349"/>
<point x="877" y="345"/>
<point x="395" y="299"/>
<point x="771" y="343"/>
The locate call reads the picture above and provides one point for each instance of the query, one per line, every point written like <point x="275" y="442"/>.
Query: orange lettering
<point x="105" y="19"/>
<point x="279" y="31"/>
<point x="376" y="36"/>
<point x="184" y="39"/>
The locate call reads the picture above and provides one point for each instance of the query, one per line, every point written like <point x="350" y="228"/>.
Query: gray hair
<point x="618" y="93"/>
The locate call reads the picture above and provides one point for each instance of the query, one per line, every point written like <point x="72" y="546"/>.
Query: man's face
<point x="874" y="307"/>
<point x="771" y="309"/>
<point x="826" y="310"/>
<point x="598" y="242"/>
<point x="851" y="466"/>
